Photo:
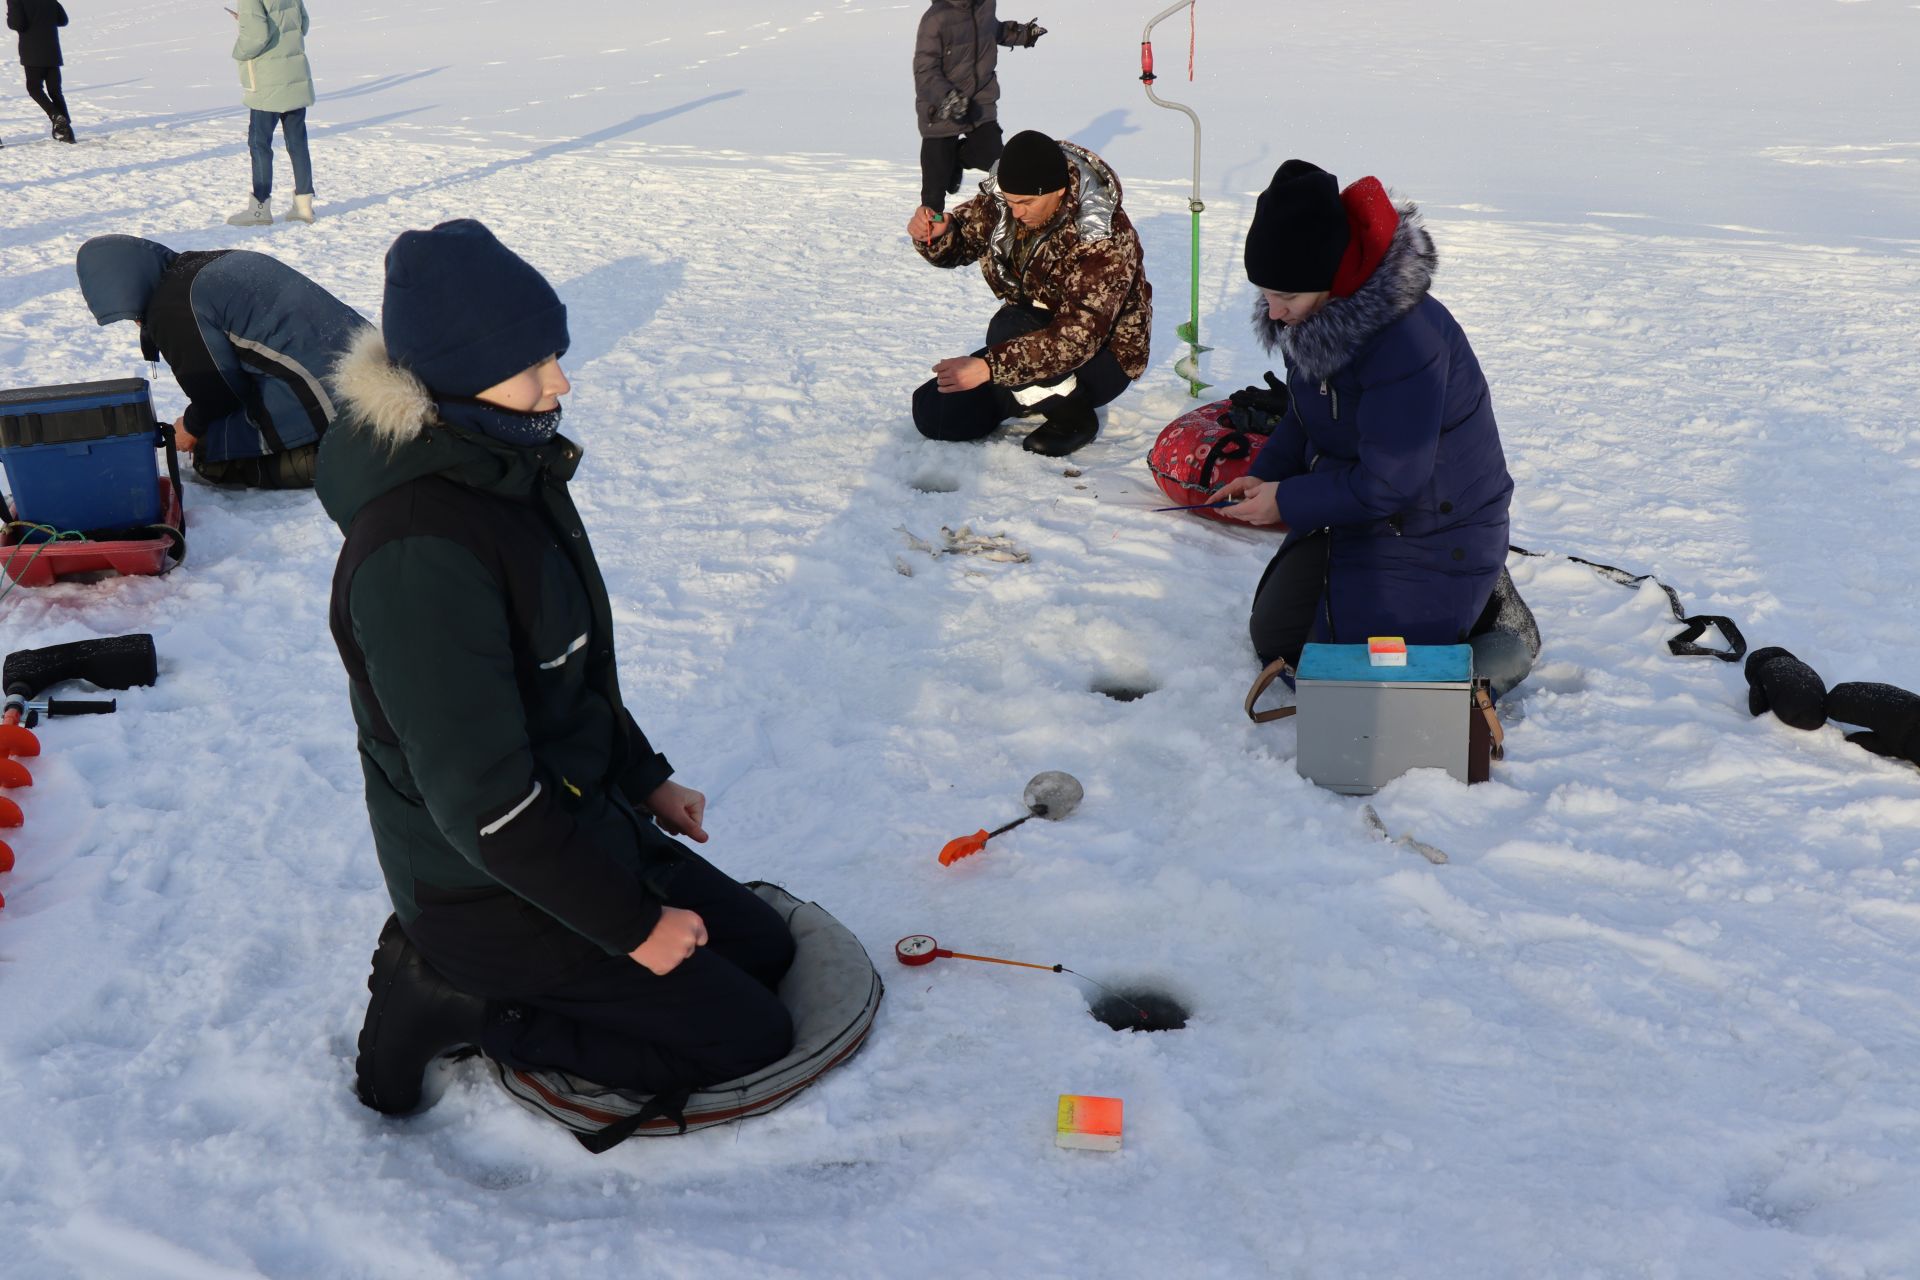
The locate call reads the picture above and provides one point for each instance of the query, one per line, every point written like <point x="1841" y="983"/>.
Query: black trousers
<point x="1505" y="639"/>
<point x="1285" y="602"/>
<point x="292" y="469"/>
<point x="974" y="415"/>
<point x="942" y="161"/>
<point x="43" y="86"/>
<point x="714" y="1017"/>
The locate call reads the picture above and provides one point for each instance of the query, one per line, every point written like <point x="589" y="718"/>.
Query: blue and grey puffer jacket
<point x="271" y="48"/>
<point x="248" y="338"/>
<point x="1391" y="446"/>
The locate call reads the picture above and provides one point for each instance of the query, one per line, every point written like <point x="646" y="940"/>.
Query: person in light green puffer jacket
<point x="271" y="49"/>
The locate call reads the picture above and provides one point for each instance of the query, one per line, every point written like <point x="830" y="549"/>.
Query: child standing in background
<point x="956" y="90"/>
<point x="39" y="23"/>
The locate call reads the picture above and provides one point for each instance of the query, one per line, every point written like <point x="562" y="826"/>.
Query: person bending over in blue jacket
<point x="1387" y="465"/>
<point x="249" y="340"/>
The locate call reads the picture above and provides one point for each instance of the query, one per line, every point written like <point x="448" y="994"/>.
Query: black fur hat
<point x="1299" y="231"/>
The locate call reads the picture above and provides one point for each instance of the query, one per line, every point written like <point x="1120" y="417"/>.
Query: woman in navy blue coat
<point x="1387" y="467"/>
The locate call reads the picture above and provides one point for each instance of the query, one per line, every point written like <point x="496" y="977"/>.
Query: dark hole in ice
<point x="1139" y="1009"/>
<point x="1121" y="691"/>
<point x="935" y="484"/>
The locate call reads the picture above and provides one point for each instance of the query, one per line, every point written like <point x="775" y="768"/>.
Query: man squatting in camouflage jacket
<point x="1061" y="255"/>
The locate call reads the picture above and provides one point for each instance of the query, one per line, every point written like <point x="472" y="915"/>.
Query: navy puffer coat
<point x="1391" y="446"/>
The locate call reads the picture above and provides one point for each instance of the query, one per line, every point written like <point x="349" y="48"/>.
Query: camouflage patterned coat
<point x="1085" y="268"/>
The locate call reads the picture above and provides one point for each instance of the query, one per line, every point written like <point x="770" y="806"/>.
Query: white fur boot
<point x="302" y="210"/>
<point x="256" y="214"/>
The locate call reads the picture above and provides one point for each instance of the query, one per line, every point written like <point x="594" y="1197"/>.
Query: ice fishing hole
<point x="1124" y="690"/>
<point x="1138" y="1009"/>
<point x="934" y="483"/>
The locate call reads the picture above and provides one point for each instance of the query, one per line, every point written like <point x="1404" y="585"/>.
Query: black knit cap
<point x="465" y="312"/>
<point x="1032" y="164"/>
<point x="1299" y="231"/>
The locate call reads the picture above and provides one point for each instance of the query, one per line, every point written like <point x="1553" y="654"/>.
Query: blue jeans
<point x="293" y="127"/>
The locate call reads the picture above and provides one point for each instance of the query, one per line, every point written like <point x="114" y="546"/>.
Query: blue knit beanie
<point x="464" y="312"/>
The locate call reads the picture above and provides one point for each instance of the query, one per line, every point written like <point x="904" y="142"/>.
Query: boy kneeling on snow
<point x="540" y="914"/>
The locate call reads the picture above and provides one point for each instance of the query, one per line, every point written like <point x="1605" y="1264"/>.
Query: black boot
<point x="1070" y="424"/>
<point x="415" y="1016"/>
<point x="62" y="129"/>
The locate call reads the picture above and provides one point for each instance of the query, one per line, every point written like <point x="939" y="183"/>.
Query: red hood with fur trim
<point x="1371" y="221"/>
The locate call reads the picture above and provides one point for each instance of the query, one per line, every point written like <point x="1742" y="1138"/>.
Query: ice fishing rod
<point x="920" y="948"/>
<point x="1051" y="795"/>
<point x="1187" y="366"/>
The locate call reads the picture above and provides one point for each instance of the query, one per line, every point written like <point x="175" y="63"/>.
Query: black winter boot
<point x="1792" y="690"/>
<point x="415" y="1016"/>
<point x="62" y="129"/>
<point x="1070" y="425"/>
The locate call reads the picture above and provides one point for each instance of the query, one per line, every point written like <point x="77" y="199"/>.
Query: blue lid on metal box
<point x="1426" y="664"/>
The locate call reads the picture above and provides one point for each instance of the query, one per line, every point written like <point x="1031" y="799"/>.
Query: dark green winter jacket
<point x="503" y="772"/>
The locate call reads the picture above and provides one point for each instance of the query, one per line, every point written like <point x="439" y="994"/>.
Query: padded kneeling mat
<point x="832" y="991"/>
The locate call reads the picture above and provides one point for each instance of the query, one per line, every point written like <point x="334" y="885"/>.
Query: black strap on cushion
<point x="661" y="1106"/>
<point x="1683" y="644"/>
<point x="177" y="552"/>
<point x="1225" y="449"/>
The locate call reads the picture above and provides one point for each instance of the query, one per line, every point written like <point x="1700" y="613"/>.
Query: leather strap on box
<point x="1272" y="671"/>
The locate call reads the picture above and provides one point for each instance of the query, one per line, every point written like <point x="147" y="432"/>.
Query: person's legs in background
<point x="293" y="128"/>
<point x="938" y="159"/>
<point x="43" y="86"/>
<point x="260" y="149"/>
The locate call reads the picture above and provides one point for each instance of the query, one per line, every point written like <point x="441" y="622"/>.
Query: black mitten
<point x="1024" y="35"/>
<point x="1791" y="689"/>
<point x="1259" y="408"/>
<point x="1889" y="713"/>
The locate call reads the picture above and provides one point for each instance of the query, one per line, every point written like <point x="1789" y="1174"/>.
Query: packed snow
<point x="1658" y="1016"/>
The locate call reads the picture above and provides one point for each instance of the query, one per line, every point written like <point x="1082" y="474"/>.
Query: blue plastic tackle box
<point x="80" y="456"/>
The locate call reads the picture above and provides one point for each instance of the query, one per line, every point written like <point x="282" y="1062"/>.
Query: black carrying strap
<point x="661" y="1106"/>
<point x="177" y="552"/>
<point x="1233" y="445"/>
<point x="1682" y="645"/>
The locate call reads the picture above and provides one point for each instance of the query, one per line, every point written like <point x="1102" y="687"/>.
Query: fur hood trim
<point x="378" y="396"/>
<point x="1324" y="343"/>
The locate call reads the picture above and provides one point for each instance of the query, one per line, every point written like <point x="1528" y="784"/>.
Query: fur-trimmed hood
<point x="378" y="396"/>
<point x="1325" y="342"/>
<point x="390" y="432"/>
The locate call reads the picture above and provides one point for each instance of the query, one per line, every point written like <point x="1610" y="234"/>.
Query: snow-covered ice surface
<point x="1660" y="1014"/>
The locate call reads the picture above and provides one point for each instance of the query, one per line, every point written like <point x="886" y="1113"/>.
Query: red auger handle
<point x="1146" y="61"/>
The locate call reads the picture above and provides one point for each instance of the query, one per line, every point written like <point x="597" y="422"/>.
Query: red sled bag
<point x="1204" y="448"/>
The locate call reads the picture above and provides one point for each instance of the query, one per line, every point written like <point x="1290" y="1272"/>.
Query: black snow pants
<point x="1505" y="638"/>
<point x="943" y="160"/>
<point x="43" y="86"/>
<point x="714" y="1017"/>
<point x="974" y="415"/>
